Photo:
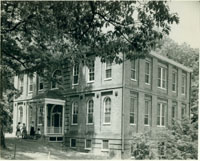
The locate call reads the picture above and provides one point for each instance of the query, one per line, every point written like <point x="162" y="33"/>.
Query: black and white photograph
<point x="99" y="80"/>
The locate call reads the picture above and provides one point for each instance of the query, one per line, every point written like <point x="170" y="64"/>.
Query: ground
<point x="28" y="149"/>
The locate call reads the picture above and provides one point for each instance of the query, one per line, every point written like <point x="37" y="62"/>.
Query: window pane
<point x="88" y="143"/>
<point x="105" y="144"/>
<point x="73" y="142"/>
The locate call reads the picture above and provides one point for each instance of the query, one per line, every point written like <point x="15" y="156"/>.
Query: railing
<point x="54" y="130"/>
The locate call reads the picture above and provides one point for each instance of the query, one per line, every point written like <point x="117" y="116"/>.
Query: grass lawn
<point x="27" y="149"/>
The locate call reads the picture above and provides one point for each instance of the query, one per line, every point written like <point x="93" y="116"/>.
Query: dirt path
<point x="27" y="149"/>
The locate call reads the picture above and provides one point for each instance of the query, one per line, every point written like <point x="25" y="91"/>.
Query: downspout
<point x="190" y="95"/>
<point x="122" y="122"/>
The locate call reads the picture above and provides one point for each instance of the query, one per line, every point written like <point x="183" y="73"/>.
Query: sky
<point x="188" y="29"/>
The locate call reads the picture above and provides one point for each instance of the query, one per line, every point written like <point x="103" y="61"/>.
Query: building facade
<point x="103" y="105"/>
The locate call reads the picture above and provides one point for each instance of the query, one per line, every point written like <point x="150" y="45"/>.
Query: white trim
<point x="108" y="79"/>
<point x="170" y="61"/>
<point x="75" y="75"/>
<point x="54" y="101"/>
<point x="45" y="118"/>
<point x="161" y="78"/>
<point x="134" y="80"/>
<point x="132" y="124"/>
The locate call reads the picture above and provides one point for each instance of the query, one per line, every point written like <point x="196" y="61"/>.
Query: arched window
<point x="107" y="110"/>
<point x="57" y="79"/>
<point x="90" y="107"/>
<point x="20" y="114"/>
<point x="74" y="113"/>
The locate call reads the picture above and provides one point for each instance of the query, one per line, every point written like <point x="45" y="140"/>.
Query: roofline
<point x="170" y="61"/>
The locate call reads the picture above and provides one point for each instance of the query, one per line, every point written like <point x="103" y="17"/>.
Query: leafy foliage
<point x="180" y="142"/>
<point x="38" y="36"/>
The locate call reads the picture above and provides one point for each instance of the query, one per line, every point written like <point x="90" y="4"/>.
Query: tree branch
<point x="9" y="55"/>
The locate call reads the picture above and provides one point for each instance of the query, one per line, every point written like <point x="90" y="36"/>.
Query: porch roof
<point x="52" y="94"/>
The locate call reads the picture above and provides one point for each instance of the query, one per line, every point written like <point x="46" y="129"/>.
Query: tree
<point x="38" y="35"/>
<point x="180" y="141"/>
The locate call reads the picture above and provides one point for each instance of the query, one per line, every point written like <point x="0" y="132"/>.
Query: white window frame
<point x="86" y="144"/>
<point x="133" y="69"/>
<point x="183" y="107"/>
<point x="134" y="110"/>
<point x="102" y="148"/>
<point x="183" y="84"/>
<point x="21" y="83"/>
<point x="91" y="70"/>
<point x="30" y="83"/>
<point x="162" y="105"/>
<point x="39" y="82"/>
<point x="88" y="104"/>
<point x="73" y="105"/>
<point x="56" y="85"/>
<point x="174" y="81"/>
<point x="161" y="78"/>
<point x="75" y="74"/>
<point x="107" y="68"/>
<point x="148" y="111"/>
<point x="108" y="123"/>
<point x="148" y="73"/>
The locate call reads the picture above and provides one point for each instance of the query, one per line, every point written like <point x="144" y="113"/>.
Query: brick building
<point x="103" y="105"/>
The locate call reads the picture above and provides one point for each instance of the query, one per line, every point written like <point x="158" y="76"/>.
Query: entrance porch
<point x="49" y="117"/>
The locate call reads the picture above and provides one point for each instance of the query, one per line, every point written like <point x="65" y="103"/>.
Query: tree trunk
<point x="2" y="141"/>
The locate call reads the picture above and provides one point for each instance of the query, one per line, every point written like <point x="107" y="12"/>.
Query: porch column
<point x="63" y="119"/>
<point x="45" y="118"/>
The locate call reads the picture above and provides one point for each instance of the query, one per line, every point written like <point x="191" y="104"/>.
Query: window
<point x="183" y="111"/>
<point x="20" y="114"/>
<point x="174" y="107"/>
<point x="174" y="80"/>
<point x="90" y="107"/>
<point x="74" y="113"/>
<point x="21" y="83"/>
<point x="30" y="84"/>
<point x="147" y="112"/>
<point x="73" y="143"/>
<point x="183" y="84"/>
<point x="88" y="144"/>
<point x="133" y="69"/>
<point x="161" y="150"/>
<point x="162" y="76"/>
<point x="161" y="114"/>
<point x="91" y="70"/>
<point x="40" y="84"/>
<point x="105" y="145"/>
<point x="57" y="79"/>
<point x="147" y="72"/>
<point x="108" y="69"/>
<point x="75" y="74"/>
<point x="107" y="110"/>
<point x="133" y="106"/>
